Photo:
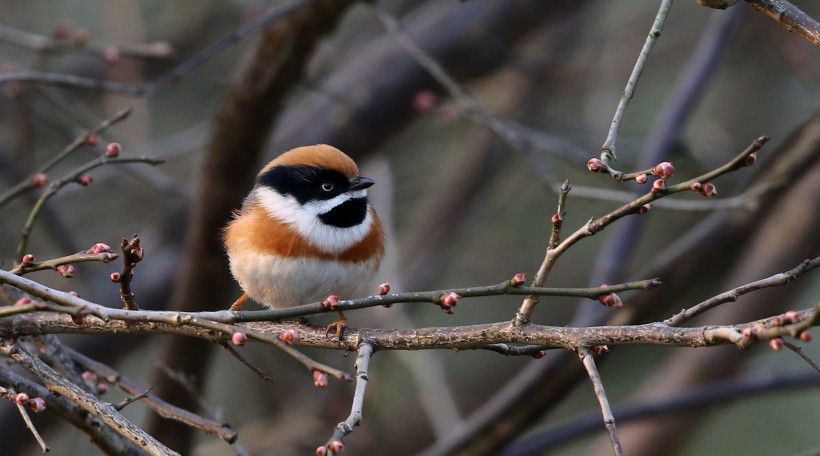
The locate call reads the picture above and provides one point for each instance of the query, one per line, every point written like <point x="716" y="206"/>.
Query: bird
<point x="305" y="231"/>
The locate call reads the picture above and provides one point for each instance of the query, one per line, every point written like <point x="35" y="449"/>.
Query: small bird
<point x="305" y="231"/>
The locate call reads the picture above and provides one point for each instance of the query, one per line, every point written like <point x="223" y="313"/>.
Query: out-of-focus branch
<point x="791" y="17"/>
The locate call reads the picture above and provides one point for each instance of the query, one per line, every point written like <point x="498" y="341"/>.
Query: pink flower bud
<point x="749" y="334"/>
<point x="116" y="277"/>
<point x="777" y="321"/>
<point x="239" y="338"/>
<point x="102" y="388"/>
<point x="137" y="254"/>
<point x="63" y="29"/>
<point x="27" y="259"/>
<point x="595" y="165"/>
<point x="708" y="189"/>
<point x="320" y="379"/>
<point x="557" y="220"/>
<point x="336" y="446"/>
<point x="644" y="209"/>
<point x="22" y="301"/>
<point x="67" y="270"/>
<point x="99" y="248"/>
<point x="611" y="300"/>
<point x="750" y="159"/>
<point x="113" y="150"/>
<point x="74" y="293"/>
<point x="290" y="337"/>
<point x="448" y="301"/>
<point x="664" y="170"/>
<point x="424" y="101"/>
<point x="91" y="139"/>
<point x="85" y="180"/>
<point x="791" y="316"/>
<point x="695" y="186"/>
<point x="331" y="302"/>
<point x="805" y="336"/>
<point x="321" y="451"/>
<point x="641" y="178"/>
<point x="384" y="288"/>
<point x="518" y="279"/>
<point x="39" y="180"/>
<point x="112" y="55"/>
<point x="37" y="405"/>
<point x="21" y="399"/>
<point x="81" y="37"/>
<point x="538" y="354"/>
<point x="659" y="186"/>
<point x="90" y="377"/>
<point x="776" y="344"/>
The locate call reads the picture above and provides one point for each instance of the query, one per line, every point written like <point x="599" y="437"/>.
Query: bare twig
<point x="162" y="408"/>
<point x="800" y="353"/>
<point x="131" y="399"/>
<point x="78" y="257"/>
<point x="28" y="183"/>
<point x="730" y="296"/>
<point x="57" y="385"/>
<point x="608" y="150"/>
<point x="600" y="393"/>
<point x="33" y="429"/>
<point x="247" y="363"/>
<point x="41" y="43"/>
<point x="791" y="17"/>
<point x="336" y="441"/>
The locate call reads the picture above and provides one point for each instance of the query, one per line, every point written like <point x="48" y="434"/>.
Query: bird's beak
<point x="361" y="183"/>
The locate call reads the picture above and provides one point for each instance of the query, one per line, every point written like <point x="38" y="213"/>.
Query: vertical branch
<point x="528" y="306"/>
<point x="597" y="384"/>
<point x="336" y="442"/>
<point x="608" y="149"/>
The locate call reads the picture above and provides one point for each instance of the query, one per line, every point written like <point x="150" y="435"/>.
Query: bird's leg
<point x="339" y="326"/>
<point x="237" y="305"/>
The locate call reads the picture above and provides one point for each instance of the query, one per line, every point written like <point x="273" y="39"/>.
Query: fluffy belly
<point x="278" y="283"/>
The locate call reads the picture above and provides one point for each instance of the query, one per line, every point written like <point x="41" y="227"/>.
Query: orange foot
<point x="338" y="326"/>
<point x="237" y="305"/>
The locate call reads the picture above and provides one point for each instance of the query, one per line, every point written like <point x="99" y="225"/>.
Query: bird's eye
<point x="327" y="186"/>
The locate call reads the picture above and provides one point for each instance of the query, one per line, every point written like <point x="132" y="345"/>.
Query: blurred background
<point x="465" y="206"/>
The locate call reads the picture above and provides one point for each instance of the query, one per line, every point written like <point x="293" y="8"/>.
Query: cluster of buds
<point x="331" y="302"/>
<point x="786" y="319"/>
<point x="518" y="279"/>
<point x="94" y="381"/>
<point x="596" y="165"/>
<point x="706" y="189"/>
<point x="290" y="337"/>
<point x="67" y="270"/>
<point x="320" y="379"/>
<point x="37" y="404"/>
<point x="449" y="300"/>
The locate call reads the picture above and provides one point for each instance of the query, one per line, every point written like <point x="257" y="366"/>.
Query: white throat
<point x="305" y="219"/>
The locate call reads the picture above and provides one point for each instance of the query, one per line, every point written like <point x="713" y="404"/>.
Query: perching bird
<point x="305" y="231"/>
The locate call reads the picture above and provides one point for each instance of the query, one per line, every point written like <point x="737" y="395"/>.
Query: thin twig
<point x="132" y="254"/>
<point x="41" y="43"/>
<point x="608" y="150"/>
<point x="30" y="426"/>
<point x="57" y="385"/>
<point x="131" y="399"/>
<point x="336" y="441"/>
<point x="247" y="363"/>
<point x="79" y="257"/>
<point x="28" y="183"/>
<point x="780" y="279"/>
<point x="72" y="176"/>
<point x="597" y="384"/>
<point x="800" y="353"/>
